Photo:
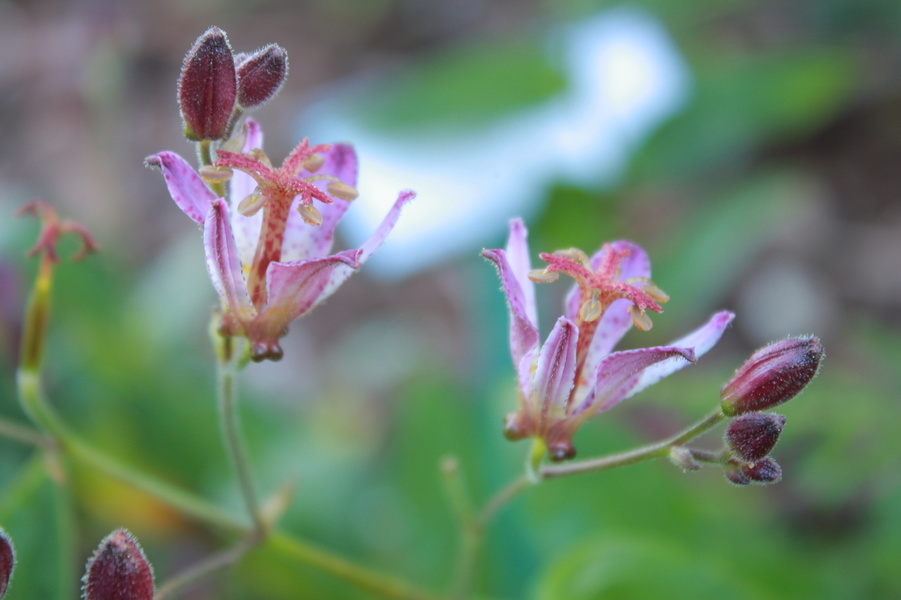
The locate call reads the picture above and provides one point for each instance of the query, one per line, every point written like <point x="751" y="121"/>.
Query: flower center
<point x="275" y="193"/>
<point x="600" y="287"/>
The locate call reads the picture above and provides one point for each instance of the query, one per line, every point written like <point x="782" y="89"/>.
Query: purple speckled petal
<point x="520" y="264"/>
<point x="555" y="371"/>
<point x="295" y="288"/>
<point x="241" y="185"/>
<point x="186" y="187"/>
<point x="701" y="340"/>
<point x="523" y="330"/>
<point x="304" y="241"/>
<point x="223" y="263"/>
<point x="619" y="372"/>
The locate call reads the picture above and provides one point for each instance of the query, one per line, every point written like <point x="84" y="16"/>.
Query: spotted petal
<point x="223" y="262"/>
<point x="619" y="372"/>
<point x="700" y="341"/>
<point x="555" y="371"/>
<point x="186" y="187"/>
<point x="294" y="288"/>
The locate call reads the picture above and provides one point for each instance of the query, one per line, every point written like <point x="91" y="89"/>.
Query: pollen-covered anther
<point x="650" y="288"/>
<point x="342" y="191"/>
<point x="577" y="255"/>
<point x="640" y="318"/>
<point x="591" y="310"/>
<point x="252" y="203"/>
<point x="214" y="174"/>
<point x="543" y="276"/>
<point x="310" y="214"/>
<point x="313" y="163"/>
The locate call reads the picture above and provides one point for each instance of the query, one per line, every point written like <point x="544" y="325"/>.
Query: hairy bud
<point x="261" y="75"/>
<point x="118" y="570"/>
<point x="772" y="375"/>
<point x="753" y="435"/>
<point x="7" y="561"/>
<point x="207" y="87"/>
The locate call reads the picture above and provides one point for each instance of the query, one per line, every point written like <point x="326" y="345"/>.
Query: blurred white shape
<point x="624" y="76"/>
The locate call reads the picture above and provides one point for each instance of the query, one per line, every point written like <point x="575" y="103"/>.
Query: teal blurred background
<point x="770" y="187"/>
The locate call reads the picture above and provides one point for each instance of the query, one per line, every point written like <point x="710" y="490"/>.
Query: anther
<point x="252" y="203"/>
<point x="213" y="174"/>
<point x="310" y="214"/>
<point x="342" y="191"/>
<point x="313" y="163"/>
<point x="543" y="276"/>
<point x="591" y="310"/>
<point x="258" y="154"/>
<point x="640" y="318"/>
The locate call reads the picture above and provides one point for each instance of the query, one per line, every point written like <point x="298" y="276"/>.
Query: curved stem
<point x="630" y="457"/>
<point x="231" y="435"/>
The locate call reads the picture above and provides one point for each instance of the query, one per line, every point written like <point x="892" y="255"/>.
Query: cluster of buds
<point x="217" y="85"/>
<point x="771" y="376"/>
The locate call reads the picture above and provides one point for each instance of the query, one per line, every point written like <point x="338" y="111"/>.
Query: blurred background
<point x="752" y="147"/>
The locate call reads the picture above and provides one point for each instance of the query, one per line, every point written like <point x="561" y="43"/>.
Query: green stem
<point x="231" y="436"/>
<point x="211" y="564"/>
<point x="206" y="159"/>
<point x="20" y="433"/>
<point x="365" y="579"/>
<point x="630" y="457"/>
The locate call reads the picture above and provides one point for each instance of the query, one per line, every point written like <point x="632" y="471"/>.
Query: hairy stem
<point x="630" y="457"/>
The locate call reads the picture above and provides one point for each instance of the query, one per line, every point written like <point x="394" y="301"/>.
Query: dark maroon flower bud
<point x="207" y="88"/>
<point x="753" y="435"/>
<point x="765" y="471"/>
<point x="773" y="375"/>
<point x="7" y="561"/>
<point x="261" y="75"/>
<point x="735" y="475"/>
<point x="118" y="570"/>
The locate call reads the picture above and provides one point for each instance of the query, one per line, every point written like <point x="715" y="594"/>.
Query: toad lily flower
<point x="576" y="374"/>
<point x="269" y="263"/>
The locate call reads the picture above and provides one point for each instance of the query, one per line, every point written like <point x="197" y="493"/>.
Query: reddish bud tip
<point x="7" y="561"/>
<point x="764" y="472"/>
<point x="753" y="435"/>
<point x="261" y="75"/>
<point x="118" y="570"/>
<point x="772" y="375"/>
<point x="207" y="87"/>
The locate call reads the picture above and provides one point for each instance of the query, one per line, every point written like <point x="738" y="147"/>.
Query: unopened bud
<point x="753" y="435"/>
<point x="261" y="75"/>
<point x="684" y="459"/>
<point x="207" y="87"/>
<point x="764" y="472"/>
<point x="735" y="475"/>
<point x="773" y="375"/>
<point x="7" y="561"/>
<point x="118" y="570"/>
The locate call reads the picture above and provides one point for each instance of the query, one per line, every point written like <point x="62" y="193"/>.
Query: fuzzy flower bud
<point x="753" y="435"/>
<point x="261" y="75"/>
<point x="207" y="87"/>
<point x="118" y="570"/>
<point x="766" y="471"/>
<point x="7" y="561"/>
<point x="772" y="375"/>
